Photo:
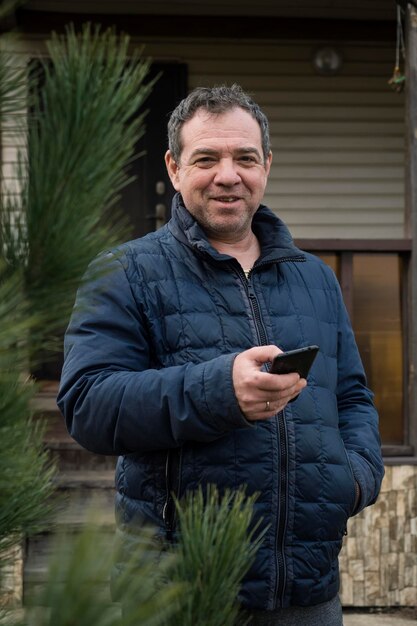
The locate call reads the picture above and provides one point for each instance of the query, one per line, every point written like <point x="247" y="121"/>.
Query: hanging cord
<point x="404" y="3"/>
<point x="397" y="80"/>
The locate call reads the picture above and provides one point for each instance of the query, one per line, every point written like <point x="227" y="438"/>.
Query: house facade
<point x="343" y="178"/>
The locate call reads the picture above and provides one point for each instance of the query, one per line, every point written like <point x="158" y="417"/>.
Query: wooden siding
<point x="338" y="142"/>
<point x="13" y="132"/>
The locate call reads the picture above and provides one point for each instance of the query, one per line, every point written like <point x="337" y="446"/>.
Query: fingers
<point x="259" y="355"/>
<point x="272" y="405"/>
<point x="260" y="394"/>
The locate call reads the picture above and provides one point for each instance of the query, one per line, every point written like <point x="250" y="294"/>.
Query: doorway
<point x="147" y="199"/>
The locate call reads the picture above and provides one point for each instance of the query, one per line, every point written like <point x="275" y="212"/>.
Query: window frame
<point x="345" y="250"/>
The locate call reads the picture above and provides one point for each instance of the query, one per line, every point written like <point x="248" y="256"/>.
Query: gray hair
<point x="214" y="100"/>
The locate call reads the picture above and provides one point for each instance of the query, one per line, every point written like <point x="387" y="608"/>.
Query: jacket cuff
<point x="364" y="477"/>
<point x="219" y="393"/>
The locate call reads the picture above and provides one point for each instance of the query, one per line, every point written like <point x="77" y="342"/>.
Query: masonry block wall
<point x="11" y="578"/>
<point x="379" y="557"/>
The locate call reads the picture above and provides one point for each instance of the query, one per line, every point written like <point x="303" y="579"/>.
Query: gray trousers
<point x="326" y="614"/>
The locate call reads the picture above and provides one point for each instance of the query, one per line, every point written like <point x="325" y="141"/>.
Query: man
<point x="167" y="366"/>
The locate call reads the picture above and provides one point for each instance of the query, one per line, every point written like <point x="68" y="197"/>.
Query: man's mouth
<point x="227" y="199"/>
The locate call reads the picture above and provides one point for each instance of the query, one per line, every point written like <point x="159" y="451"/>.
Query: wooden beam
<point x="354" y="245"/>
<point x="231" y="27"/>
<point x="411" y="207"/>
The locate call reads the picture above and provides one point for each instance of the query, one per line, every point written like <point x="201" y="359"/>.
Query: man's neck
<point x="245" y="251"/>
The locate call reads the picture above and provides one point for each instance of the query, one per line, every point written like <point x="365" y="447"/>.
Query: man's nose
<point x="227" y="172"/>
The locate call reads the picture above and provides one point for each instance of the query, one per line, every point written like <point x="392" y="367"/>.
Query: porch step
<point x="82" y="497"/>
<point x="85" y="494"/>
<point x="41" y="549"/>
<point x="69" y="455"/>
<point x="63" y="450"/>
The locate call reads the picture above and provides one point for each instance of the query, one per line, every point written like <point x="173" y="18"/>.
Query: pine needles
<point x="76" y="593"/>
<point x="215" y="551"/>
<point x="56" y="216"/>
<point x="25" y="473"/>
<point x="196" y="583"/>
<point x="83" y="132"/>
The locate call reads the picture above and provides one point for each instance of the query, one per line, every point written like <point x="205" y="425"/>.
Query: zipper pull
<point x="251" y="292"/>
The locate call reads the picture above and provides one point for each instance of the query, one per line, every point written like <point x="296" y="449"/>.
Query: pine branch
<point x="85" y="128"/>
<point x="78" y="574"/>
<point x="25" y="471"/>
<point x="216" y="548"/>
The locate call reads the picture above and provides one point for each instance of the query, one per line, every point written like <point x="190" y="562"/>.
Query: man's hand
<point x="260" y="394"/>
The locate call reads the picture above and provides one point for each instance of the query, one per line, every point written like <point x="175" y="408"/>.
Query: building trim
<point x="231" y="27"/>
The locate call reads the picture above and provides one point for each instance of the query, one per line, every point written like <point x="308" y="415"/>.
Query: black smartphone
<point x="299" y="361"/>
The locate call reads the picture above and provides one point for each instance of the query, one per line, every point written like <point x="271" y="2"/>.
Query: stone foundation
<point x="11" y="577"/>
<point x="379" y="558"/>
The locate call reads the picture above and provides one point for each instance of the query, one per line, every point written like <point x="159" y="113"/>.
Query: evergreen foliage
<point x="195" y="583"/>
<point x="76" y="592"/>
<point x="25" y="474"/>
<point x="215" y="550"/>
<point x="84" y="131"/>
<point x="56" y="217"/>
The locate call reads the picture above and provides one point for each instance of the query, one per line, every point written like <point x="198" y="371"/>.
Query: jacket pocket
<point x="352" y="502"/>
<point x="172" y="485"/>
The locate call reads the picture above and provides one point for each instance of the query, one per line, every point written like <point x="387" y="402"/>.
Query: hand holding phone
<point x="299" y="361"/>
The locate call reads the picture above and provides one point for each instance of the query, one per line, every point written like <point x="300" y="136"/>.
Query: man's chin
<point x="227" y="229"/>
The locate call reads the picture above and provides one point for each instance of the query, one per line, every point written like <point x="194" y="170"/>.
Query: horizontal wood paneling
<point x="336" y="172"/>
<point x="13" y="127"/>
<point x="338" y="142"/>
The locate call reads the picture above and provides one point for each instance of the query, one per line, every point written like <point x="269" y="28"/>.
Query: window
<point x="373" y="277"/>
<point x="377" y="322"/>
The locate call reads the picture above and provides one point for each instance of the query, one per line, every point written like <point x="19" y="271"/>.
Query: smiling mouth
<point x="227" y="199"/>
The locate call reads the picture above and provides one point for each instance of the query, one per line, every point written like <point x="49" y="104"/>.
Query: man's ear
<point x="172" y="169"/>
<point x="268" y="163"/>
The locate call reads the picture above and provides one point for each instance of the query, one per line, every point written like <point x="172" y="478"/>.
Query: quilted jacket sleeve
<point x="113" y="403"/>
<point x="358" y="418"/>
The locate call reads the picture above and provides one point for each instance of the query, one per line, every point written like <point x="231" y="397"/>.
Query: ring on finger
<point x="267" y="405"/>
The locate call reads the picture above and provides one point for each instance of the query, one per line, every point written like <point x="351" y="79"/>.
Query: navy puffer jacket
<point x="148" y="376"/>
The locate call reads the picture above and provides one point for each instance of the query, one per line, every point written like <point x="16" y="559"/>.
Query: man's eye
<point x="247" y="159"/>
<point x="205" y="161"/>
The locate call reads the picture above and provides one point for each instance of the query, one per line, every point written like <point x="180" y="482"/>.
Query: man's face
<point x="222" y="174"/>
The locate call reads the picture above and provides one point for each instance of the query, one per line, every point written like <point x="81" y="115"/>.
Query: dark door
<point x="147" y="200"/>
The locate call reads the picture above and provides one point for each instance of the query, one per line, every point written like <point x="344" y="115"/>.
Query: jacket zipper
<point x="281" y="526"/>
<point x="282" y="506"/>
<point x="259" y="325"/>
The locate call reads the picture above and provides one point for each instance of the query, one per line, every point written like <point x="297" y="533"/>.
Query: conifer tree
<point x="57" y="214"/>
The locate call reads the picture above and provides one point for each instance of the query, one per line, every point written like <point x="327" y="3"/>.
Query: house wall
<point x="13" y="127"/>
<point x="338" y="142"/>
<point x="378" y="560"/>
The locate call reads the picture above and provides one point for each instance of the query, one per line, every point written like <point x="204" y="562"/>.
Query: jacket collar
<point x="273" y="235"/>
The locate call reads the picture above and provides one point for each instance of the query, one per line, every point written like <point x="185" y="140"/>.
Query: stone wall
<point x="11" y="577"/>
<point x="379" y="557"/>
